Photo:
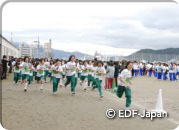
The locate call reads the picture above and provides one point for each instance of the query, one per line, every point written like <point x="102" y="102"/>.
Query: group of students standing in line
<point x="162" y="71"/>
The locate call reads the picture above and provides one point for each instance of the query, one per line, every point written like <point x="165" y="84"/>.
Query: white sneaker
<point x="55" y="93"/>
<point x="41" y="88"/>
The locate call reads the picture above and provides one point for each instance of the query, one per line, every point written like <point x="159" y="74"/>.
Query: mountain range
<point x="56" y="53"/>
<point x="164" y="55"/>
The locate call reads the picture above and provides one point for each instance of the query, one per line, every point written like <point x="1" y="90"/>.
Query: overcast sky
<point x="110" y="28"/>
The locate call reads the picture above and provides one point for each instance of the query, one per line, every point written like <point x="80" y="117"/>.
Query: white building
<point x="47" y="49"/>
<point x="8" y="48"/>
<point x="26" y="50"/>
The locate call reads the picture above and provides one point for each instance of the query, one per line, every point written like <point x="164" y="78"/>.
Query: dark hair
<point x="71" y="57"/>
<point x="4" y="56"/>
<point x="128" y="64"/>
<point x="51" y="61"/>
<point x="41" y="60"/>
<point x="17" y="63"/>
<point x="100" y="62"/>
<point x="25" y="58"/>
<point x="57" y="60"/>
<point x="36" y="64"/>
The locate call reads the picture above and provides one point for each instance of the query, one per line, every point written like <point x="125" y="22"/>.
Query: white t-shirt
<point x="94" y="74"/>
<point x="135" y="67"/>
<point x="141" y="66"/>
<point x="64" y="69"/>
<point x="90" y="69"/>
<point x="178" y="68"/>
<point x="26" y="68"/>
<point x="110" y="72"/>
<point x="40" y="70"/>
<point x="72" y="66"/>
<point x="13" y="63"/>
<point x="47" y="65"/>
<point x="126" y="76"/>
<point x="100" y="69"/>
<point x="17" y="70"/>
<point x="80" y="68"/>
<point x="31" y="70"/>
<point x="84" y="70"/>
<point x="55" y="73"/>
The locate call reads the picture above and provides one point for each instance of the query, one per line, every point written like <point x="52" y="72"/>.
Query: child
<point x="84" y="74"/>
<point x="159" y="72"/>
<point x="94" y="76"/>
<point x="165" y="72"/>
<point x="41" y="73"/>
<point x="16" y="71"/>
<point x="56" y="70"/>
<point x="64" y="71"/>
<point x="90" y="72"/>
<point x="25" y="72"/>
<point x="100" y="72"/>
<point x="46" y="69"/>
<point x="31" y="72"/>
<point x="71" y="70"/>
<point x="80" y="71"/>
<point x="171" y="72"/>
<point x="125" y="84"/>
<point x="50" y="71"/>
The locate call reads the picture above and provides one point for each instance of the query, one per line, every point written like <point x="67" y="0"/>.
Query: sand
<point x="41" y="110"/>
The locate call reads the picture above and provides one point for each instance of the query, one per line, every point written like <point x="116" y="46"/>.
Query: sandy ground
<point x="41" y="110"/>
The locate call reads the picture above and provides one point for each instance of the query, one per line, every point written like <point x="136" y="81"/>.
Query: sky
<point x="109" y="28"/>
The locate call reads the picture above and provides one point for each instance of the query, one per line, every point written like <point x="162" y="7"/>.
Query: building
<point x="26" y="50"/>
<point x="8" y="48"/>
<point x="47" y="49"/>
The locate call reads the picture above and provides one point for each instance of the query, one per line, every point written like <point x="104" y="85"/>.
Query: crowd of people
<point x="89" y="73"/>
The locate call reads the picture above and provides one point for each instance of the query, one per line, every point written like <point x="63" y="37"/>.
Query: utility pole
<point x="11" y="37"/>
<point x="38" y="46"/>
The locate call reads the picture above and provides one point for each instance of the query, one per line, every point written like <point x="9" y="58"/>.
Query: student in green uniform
<point x="41" y="73"/>
<point x="57" y="75"/>
<point x="94" y="75"/>
<point x="31" y="72"/>
<point x="50" y="69"/>
<point x="100" y="72"/>
<point x="125" y="84"/>
<point x="16" y="71"/>
<point x="84" y="74"/>
<point x="25" y="71"/>
<point x="70" y="73"/>
<point x="46" y="69"/>
<point x="90" y="73"/>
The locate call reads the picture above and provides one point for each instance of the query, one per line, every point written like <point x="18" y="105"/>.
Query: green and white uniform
<point x="25" y="70"/>
<point x="90" y="74"/>
<point x="40" y="72"/>
<point x="99" y="78"/>
<point x="16" y="74"/>
<point x="57" y="76"/>
<point x="70" y="75"/>
<point x="84" y="75"/>
<point x="46" y="70"/>
<point x="31" y="74"/>
<point x="126" y="76"/>
<point x="94" y="76"/>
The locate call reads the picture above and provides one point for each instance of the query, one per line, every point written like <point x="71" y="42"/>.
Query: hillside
<point x="56" y="53"/>
<point x="164" y="55"/>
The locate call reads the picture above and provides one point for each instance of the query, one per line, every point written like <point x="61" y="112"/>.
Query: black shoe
<point x="25" y="90"/>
